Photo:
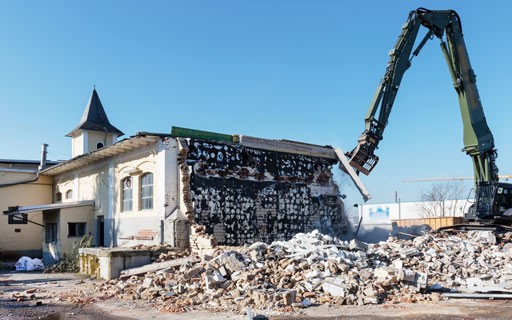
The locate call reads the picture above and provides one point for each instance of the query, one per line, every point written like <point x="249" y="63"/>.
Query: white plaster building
<point x="113" y="191"/>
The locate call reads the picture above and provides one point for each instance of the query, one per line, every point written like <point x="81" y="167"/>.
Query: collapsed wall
<point x="243" y="194"/>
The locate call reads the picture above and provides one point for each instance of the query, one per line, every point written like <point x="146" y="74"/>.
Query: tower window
<point x="99" y="145"/>
<point x="69" y="194"/>
<point x="58" y="197"/>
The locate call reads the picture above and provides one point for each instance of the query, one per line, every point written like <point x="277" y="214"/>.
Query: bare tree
<point x="434" y="200"/>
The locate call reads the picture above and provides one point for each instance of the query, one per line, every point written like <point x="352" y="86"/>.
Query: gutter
<point x="20" y="182"/>
<point x="42" y="166"/>
<point x="17" y="170"/>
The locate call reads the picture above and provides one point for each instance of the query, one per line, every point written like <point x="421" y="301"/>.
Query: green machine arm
<point x="478" y="139"/>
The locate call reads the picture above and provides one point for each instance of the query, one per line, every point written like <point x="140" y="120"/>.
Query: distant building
<point x="20" y="185"/>
<point x="376" y="219"/>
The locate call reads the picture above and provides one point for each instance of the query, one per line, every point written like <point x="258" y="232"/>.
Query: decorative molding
<point x="93" y="169"/>
<point x="142" y="153"/>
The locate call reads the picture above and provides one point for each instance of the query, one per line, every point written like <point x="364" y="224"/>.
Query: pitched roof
<point x="141" y="139"/>
<point x="95" y="118"/>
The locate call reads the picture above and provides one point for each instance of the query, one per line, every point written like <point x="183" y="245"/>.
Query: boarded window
<point x="146" y="191"/>
<point x="50" y="232"/>
<point x="76" y="229"/>
<point x="127" y="195"/>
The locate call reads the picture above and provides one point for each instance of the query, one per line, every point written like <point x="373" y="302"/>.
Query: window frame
<point x="69" y="194"/>
<point x="124" y="193"/>
<point x="76" y="228"/>
<point x="146" y="200"/>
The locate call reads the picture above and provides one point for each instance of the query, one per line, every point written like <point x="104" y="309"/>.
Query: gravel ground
<point x="67" y="296"/>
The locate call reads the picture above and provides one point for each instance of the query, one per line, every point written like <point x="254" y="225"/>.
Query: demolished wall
<point x="242" y="195"/>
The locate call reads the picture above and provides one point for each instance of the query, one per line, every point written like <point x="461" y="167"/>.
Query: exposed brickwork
<point x="185" y="178"/>
<point x="145" y="234"/>
<point x="242" y="195"/>
<point x="200" y="240"/>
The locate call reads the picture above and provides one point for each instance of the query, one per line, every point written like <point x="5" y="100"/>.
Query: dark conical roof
<point x="95" y="118"/>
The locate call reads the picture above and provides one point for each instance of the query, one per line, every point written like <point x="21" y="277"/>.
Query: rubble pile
<point x="314" y="268"/>
<point x="473" y="261"/>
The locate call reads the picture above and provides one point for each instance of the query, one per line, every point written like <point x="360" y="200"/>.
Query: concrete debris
<point x="313" y="268"/>
<point x="409" y="232"/>
<point x="156" y="267"/>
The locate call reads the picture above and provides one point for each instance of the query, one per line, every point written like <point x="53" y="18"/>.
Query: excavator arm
<point x="478" y="139"/>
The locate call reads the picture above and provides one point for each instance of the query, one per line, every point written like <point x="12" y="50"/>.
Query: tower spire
<point x="94" y="131"/>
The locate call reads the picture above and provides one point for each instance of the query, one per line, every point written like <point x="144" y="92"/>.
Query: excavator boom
<point x="478" y="140"/>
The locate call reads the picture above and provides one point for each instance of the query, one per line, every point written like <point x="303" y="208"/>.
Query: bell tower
<point x="94" y="130"/>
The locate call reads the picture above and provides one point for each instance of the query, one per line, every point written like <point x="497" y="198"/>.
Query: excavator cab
<point x="493" y="203"/>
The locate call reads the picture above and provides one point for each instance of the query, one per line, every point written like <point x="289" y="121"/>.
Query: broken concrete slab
<point x="157" y="266"/>
<point x="334" y="287"/>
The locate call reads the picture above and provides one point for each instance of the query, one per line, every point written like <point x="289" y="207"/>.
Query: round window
<point x="128" y="183"/>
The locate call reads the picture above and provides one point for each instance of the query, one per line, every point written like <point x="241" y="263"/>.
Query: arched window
<point x="127" y="194"/>
<point x="58" y="197"/>
<point x="146" y="191"/>
<point x="99" y="145"/>
<point x="69" y="194"/>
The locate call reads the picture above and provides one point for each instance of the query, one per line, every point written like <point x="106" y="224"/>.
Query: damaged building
<point x="249" y="189"/>
<point x="186" y="188"/>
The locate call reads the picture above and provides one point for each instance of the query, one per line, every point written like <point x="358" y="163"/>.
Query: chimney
<point x="44" y="151"/>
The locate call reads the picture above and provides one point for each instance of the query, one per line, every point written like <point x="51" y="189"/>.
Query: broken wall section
<point x="243" y="195"/>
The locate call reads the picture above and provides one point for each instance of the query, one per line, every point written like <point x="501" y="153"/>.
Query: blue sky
<point x="298" y="70"/>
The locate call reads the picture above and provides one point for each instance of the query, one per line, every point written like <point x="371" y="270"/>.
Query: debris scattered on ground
<point x="314" y="269"/>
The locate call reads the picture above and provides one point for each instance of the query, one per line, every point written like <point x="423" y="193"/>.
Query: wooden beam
<point x="286" y="146"/>
<point x="199" y="134"/>
<point x="346" y="167"/>
<point x="153" y="267"/>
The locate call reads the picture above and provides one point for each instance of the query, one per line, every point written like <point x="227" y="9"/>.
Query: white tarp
<point x="28" y="264"/>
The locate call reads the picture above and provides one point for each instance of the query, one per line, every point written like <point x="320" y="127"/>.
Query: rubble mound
<point x="313" y="268"/>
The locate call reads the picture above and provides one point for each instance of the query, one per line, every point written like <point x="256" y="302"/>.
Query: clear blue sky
<point x="299" y="70"/>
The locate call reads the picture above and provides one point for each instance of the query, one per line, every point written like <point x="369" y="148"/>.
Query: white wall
<point x="376" y="222"/>
<point x="383" y="213"/>
<point x="102" y="182"/>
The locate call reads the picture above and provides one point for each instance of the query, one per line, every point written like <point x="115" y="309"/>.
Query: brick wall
<point x="242" y="195"/>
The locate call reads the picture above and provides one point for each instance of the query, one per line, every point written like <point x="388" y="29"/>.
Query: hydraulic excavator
<point x="493" y="199"/>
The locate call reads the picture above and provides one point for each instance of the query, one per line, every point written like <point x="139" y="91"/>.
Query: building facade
<point x="20" y="185"/>
<point x="156" y="188"/>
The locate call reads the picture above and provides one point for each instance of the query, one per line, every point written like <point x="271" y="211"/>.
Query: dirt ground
<point x="68" y="296"/>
